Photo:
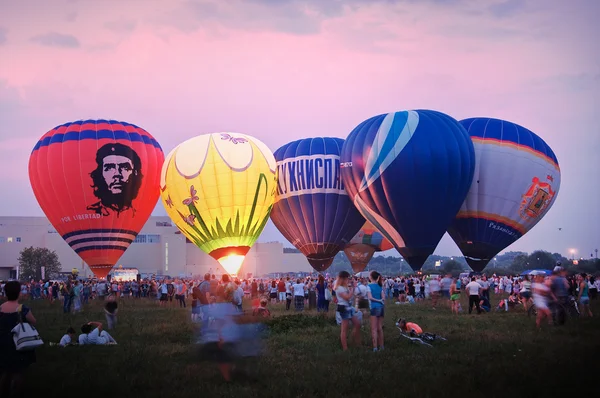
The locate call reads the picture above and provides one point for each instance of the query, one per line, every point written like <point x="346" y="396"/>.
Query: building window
<point x="153" y="238"/>
<point x="166" y="256"/>
<point x="164" y="224"/>
<point x="140" y="239"/>
<point x="18" y="239"/>
<point x="9" y="239"/>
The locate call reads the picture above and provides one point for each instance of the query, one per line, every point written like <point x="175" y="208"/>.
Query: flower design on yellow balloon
<point x="193" y="197"/>
<point x="235" y="140"/>
<point x="169" y="201"/>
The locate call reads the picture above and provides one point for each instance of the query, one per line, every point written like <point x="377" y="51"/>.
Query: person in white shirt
<point x="67" y="339"/>
<point x="93" y="334"/>
<point x="298" y="289"/>
<point x="473" y="288"/>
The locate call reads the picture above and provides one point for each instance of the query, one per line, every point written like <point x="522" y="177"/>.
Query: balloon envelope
<point x="363" y="245"/>
<point x="516" y="181"/>
<point x="312" y="209"/>
<point x="219" y="189"/>
<point x="97" y="182"/>
<point x="408" y="174"/>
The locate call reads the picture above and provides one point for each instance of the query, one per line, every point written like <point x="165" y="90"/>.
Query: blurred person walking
<point x="584" y="297"/>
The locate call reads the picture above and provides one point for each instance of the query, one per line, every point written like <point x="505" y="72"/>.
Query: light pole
<point x="573" y="251"/>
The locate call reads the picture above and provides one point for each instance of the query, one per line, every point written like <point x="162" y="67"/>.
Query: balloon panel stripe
<point x="99" y="239"/>
<point x="100" y="231"/>
<point x="100" y="247"/>
<point x="60" y="138"/>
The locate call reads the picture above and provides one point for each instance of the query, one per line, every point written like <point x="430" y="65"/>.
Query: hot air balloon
<point x="365" y="243"/>
<point x="312" y="209"/>
<point x="516" y="181"/>
<point x="97" y="181"/>
<point x="408" y="174"/>
<point x="219" y="190"/>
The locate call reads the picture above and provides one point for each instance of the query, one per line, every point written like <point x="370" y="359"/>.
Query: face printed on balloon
<point x="116" y="179"/>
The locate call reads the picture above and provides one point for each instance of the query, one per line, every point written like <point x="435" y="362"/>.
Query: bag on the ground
<point x="25" y="336"/>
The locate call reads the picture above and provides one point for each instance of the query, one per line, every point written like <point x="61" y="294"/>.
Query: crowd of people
<point x="217" y="305"/>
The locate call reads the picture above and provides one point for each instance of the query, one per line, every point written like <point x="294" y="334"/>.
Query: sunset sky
<point x="286" y="69"/>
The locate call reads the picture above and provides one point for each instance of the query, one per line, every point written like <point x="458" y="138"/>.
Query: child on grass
<point x="68" y="338"/>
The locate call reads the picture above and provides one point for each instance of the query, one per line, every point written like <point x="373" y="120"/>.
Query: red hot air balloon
<point x="365" y="243"/>
<point x="97" y="181"/>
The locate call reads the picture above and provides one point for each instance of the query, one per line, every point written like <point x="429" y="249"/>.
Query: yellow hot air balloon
<point x="219" y="190"/>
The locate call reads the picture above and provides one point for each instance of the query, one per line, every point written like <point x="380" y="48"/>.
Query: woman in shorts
<point x="344" y="296"/>
<point x="454" y="296"/>
<point x="376" y="299"/>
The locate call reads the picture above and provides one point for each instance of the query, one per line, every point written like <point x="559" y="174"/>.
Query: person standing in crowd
<point x="288" y="294"/>
<point x="110" y="311"/>
<point x="454" y="297"/>
<point x="434" y="291"/>
<point x="584" y="297"/>
<point x="298" y="291"/>
<point x="13" y="363"/>
<point x="321" y="288"/>
<point x="344" y="296"/>
<point x="377" y="301"/>
<point x="68" y="295"/>
<point x="281" y="290"/>
<point x="312" y="294"/>
<point x="593" y="288"/>
<point x="473" y="289"/>
<point x="180" y="289"/>
<point x="273" y="292"/>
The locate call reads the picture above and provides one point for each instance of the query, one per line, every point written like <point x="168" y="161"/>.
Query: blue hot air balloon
<point x="312" y="209"/>
<point x="516" y="181"/>
<point x="408" y="174"/>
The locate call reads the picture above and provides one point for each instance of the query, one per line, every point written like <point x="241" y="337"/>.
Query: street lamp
<point x="573" y="251"/>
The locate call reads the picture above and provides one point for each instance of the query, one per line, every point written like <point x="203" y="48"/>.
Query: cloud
<point x="54" y="39"/>
<point x="121" y="25"/>
<point x="3" y="34"/>
<point x="506" y="8"/>
<point x="72" y="16"/>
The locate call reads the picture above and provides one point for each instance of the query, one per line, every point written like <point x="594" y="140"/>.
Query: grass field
<point x="494" y="354"/>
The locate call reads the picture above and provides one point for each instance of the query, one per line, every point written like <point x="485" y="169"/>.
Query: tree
<point x="32" y="259"/>
<point x="452" y="267"/>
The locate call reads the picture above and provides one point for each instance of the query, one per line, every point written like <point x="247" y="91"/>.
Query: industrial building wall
<point x="159" y="249"/>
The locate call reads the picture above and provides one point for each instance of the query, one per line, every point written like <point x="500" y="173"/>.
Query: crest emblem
<point x="536" y="200"/>
<point x="358" y="256"/>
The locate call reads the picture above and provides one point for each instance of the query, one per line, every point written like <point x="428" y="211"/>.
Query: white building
<point x="158" y="249"/>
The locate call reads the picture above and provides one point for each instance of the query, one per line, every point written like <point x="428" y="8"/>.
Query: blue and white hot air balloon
<point x="516" y="181"/>
<point x="312" y="209"/>
<point x="408" y="174"/>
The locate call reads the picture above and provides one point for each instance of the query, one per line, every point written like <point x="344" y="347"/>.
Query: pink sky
<point x="286" y="69"/>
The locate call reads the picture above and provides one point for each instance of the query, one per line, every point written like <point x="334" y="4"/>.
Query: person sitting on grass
<point x="93" y="334"/>
<point x="409" y="327"/>
<point x="262" y="310"/>
<point x="68" y="338"/>
<point x="484" y="304"/>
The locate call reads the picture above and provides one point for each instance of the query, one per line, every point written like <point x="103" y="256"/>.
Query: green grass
<point x="494" y="354"/>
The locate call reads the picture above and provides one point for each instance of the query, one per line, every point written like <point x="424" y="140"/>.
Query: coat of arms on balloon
<point x="219" y="190"/>
<point x="537" y="198"/>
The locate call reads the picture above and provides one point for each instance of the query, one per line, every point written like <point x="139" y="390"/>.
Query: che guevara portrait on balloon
<point x="116" y="180"/>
